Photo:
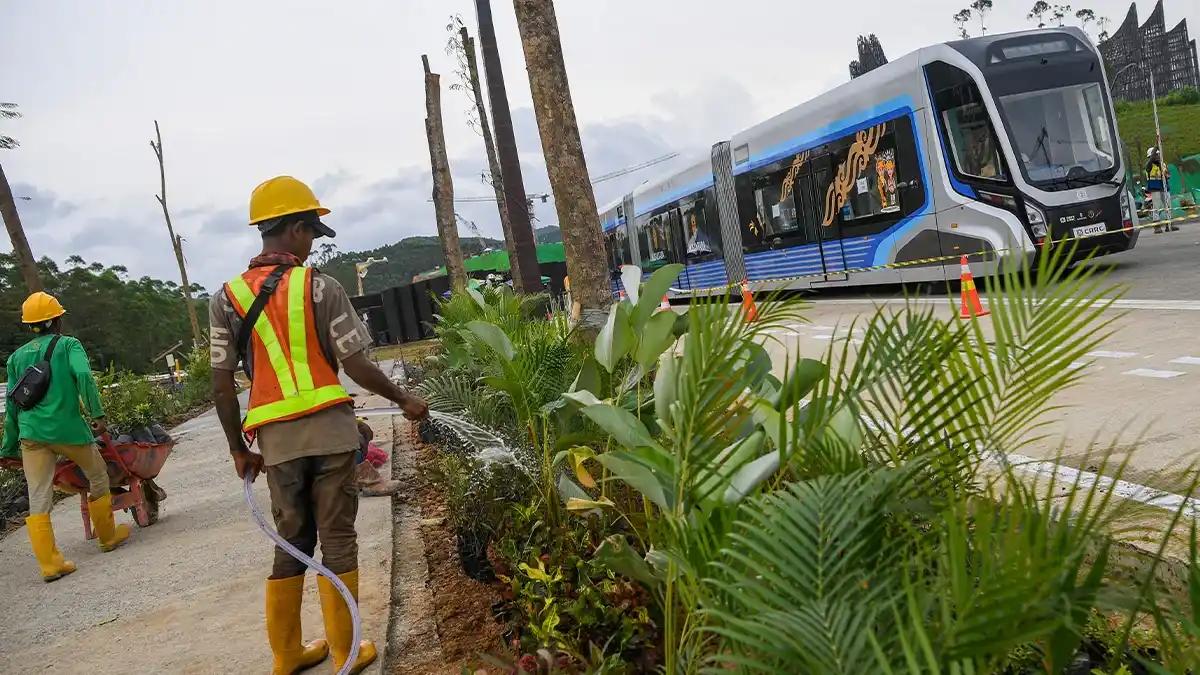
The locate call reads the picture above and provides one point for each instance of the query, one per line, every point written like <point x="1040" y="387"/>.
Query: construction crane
<point x="360" y="270"/>
<point x="470" y="225"/>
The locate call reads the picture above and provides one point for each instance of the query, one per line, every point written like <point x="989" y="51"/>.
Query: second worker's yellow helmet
<point x="282" y="196"/>
<point x="41" y="307"/>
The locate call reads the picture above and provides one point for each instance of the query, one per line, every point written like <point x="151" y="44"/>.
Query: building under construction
<point x="1169" y="54"/>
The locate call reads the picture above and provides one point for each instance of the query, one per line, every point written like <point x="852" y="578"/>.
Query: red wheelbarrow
<point x="132" y="468"/>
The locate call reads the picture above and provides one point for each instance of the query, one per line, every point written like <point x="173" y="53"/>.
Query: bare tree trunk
<point x="510" y="163"/>
<point x="16" y="234"/>
<point x="443" y="184"/>
<point x="489" y="145"/>
<point x="583" y="240"/>
<point x="176" y="240"/>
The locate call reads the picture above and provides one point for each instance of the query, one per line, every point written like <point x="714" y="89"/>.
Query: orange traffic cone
<point x="748" y="305"/>
<point x="970" y="296"/>
<point x="664" y="306"/>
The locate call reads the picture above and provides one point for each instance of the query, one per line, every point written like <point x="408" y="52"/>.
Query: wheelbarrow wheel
<point x="147" y="515"/>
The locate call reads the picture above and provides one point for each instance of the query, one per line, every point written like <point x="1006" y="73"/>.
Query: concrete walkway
<point x="182" y="596"/>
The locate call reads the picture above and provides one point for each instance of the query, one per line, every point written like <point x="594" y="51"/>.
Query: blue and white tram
<point x="970" y="147"/>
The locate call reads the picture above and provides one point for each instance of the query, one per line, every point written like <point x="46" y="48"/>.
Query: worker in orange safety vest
<point x="290" y="326"/>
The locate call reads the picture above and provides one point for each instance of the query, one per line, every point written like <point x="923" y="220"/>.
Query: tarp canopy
<point x="497" y="261"/>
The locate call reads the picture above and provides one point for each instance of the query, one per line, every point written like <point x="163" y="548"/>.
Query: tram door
<point x="811" y="184"/>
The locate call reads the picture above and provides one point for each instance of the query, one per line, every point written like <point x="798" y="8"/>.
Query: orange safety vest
<point x="292" y="377"/>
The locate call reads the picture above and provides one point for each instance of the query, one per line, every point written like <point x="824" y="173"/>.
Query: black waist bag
<point x="34" y="382"/>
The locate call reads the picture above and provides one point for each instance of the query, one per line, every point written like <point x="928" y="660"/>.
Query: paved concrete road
<point x="182" y="596"/>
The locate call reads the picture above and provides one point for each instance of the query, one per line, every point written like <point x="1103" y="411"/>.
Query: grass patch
<point x="411" y="352"/>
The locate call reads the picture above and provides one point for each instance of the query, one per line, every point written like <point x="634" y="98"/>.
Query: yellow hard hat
<point x="41" y="307"/>
<point x="281" y="196"/>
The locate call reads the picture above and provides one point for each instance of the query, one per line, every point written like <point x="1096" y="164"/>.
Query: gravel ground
<point x="182" y="596"/>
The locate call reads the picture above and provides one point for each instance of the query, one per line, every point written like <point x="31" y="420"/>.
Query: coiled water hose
<point x="315" y="566"/>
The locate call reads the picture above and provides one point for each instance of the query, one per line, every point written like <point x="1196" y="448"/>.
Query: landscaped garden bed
<point x="665" y="498"/>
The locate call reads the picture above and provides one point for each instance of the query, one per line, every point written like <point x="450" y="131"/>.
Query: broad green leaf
<point x="844" y="425"/>
<point x="478" y="298"/>
<point x="767" y="417"/>
<point x="750" y="476"/>
<point x="756" y="364"/>
<point x="804" y="376"/>
<point x="654" y="339"/>
<point x="579" y="455"/>
<point x="652" y="293"/>
<point x="642" y="472"/>
<point x="502" y="384"/>
<point x="625" y="429"/>
<point x="727" y="463"/>
<point x="568" y="490"/>
<point x="588" y="378"/>
<point x="539" y="573"/>
<point x="631" y="280"/>
<point x="614" y="553"/>
<point x="664" y="387"/>
<point x="583" y="398"/>
<point x="493" y="337"/>
<point x="576" y="504"/>
<point x="615" y="339"/>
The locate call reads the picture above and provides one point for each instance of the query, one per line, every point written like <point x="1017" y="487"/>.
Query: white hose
<point x="315" y="566"/>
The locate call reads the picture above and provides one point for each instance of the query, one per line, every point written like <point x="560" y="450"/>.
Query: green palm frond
<point x="457" y="392"/>
<point x="804" y="576"/>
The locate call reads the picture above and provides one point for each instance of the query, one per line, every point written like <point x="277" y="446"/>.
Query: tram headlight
<point x="1126" y="211"/>
<point x="1037" y="220"/>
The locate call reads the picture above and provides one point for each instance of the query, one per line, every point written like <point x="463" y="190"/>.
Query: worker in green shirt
<point x="54" y="427"/>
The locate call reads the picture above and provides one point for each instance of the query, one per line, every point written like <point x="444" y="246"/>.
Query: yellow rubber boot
<point x="284" y="597"/>
<point x="107" y="531"/>
<point x="339" y="628"/>
<point x="41" y="538"/>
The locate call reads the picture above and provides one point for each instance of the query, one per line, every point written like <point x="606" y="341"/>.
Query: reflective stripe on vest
<point x="300" y="393"/>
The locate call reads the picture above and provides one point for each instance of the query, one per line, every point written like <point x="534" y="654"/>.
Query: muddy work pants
<point x="39" y="459"/>
<point x="315" y="498"/>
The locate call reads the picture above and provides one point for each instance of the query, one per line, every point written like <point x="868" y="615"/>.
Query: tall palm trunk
<point x="176" y="240"/>
<point x="443" y="184"/>
<point x="506" y="149"/>
<point x="497" y="176"/>
<point x="583" y="240"/>
<point x="16" y="234"/>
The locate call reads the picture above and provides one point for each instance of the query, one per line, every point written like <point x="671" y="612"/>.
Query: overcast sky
<point x="332" y="92"/>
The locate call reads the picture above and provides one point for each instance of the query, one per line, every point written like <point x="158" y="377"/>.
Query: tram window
<point x="873" y="190"/>
<point x="654" y="237"/>
<point x="965" y="123"/>
<point x="702" y="238"/>
<point x="972" y="142"/>
<point x="752" y="235"/>
<point x="617" y="247"/>
<point x="774" y="208"/>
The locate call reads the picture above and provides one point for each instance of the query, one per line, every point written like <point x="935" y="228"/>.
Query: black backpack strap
<point x="50" y="347"/>
<point x="255" y="311"/>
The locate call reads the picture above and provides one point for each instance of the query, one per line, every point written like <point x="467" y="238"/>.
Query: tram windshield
<point x="1061" y="134"/>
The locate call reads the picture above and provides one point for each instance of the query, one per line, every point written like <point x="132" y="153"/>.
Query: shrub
<point x="1182" y="96"/>
<point x="131" y="402"/>
<point x="197" y="385"/>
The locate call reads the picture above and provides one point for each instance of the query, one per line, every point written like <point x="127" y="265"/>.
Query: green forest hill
<point x="407" y="258"/>
<point x="1179" y="116"/>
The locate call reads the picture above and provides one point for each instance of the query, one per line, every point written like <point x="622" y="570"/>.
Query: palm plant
<point x="864" y="520"/>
